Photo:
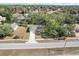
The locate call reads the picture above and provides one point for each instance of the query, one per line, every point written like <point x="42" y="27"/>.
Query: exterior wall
<point x="40" y="52"/>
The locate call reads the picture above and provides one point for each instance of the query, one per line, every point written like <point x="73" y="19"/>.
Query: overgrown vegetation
<point x="5" y="30"/>
<point x="59" y="23"/>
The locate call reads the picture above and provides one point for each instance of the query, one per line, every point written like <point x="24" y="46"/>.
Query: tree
<point x="69" y="19"/>
<point x="36" y="18"/>
<point x="50" y="29"/>
<point x="55" y="28"/>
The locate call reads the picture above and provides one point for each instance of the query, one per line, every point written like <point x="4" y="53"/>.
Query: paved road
<point x="30" y="45"/>
<point x="74" y="43"/>
<point x="60" y="44"/>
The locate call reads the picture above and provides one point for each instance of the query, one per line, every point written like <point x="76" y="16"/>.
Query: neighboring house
<point x="59" y="10"/>
<point x="20" y="17"/>
<point x="35" y="11"/>
<point x="55" y="11"/>
<point x="50" y="12"/>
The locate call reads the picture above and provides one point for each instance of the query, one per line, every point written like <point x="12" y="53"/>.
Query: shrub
<point x="5" y="30"/>
<point x="62" y="31"/>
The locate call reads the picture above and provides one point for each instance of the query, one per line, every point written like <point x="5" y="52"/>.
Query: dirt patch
<point x="19" y="33"/>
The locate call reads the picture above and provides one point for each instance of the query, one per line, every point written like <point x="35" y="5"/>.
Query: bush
<point x="62" y="31"/>
<point x="69" y="19"/>
<point x="5" y="30"/>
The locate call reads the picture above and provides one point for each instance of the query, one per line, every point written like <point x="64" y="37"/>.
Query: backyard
<point x="54" y="23"/>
